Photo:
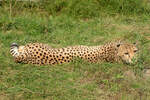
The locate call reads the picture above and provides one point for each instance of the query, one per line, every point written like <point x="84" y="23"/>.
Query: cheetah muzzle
<point x="42" y="54"/>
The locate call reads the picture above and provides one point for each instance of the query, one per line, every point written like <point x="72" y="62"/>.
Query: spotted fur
<point x="38" y="53"/>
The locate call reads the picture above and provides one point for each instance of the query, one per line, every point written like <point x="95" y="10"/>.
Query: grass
<point x="78" y="80"/>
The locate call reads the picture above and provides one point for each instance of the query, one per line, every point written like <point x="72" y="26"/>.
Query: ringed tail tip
<point x="14" y="45"/>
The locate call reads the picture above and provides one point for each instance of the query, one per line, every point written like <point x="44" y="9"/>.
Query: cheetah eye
<point x="135" y="50"/>
<point x="126" y="53"/>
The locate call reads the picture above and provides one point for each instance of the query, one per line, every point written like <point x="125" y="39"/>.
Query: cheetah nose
<point x="14" y="45"/>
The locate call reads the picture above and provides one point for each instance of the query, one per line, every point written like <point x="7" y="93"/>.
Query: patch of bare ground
<point x="130" y="75"/>
<point x="144" y="29"/>
<point x="124" y="27"/>
<point x="4" y="97"/>
<point x="13" y="32"/>
<point x="146" y="73"/>
<point x="85" y="80"/>
<point x="98" y="39"/>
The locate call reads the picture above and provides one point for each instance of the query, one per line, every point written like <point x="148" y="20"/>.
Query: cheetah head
<point x="127" y="52"/>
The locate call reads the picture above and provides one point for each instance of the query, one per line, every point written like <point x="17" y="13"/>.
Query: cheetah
<point x="42" y="54"/>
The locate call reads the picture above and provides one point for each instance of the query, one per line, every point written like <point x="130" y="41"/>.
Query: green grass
<point x="78" y="80"/>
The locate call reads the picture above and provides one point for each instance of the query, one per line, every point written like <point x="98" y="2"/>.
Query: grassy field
<point x="74" y="22"/>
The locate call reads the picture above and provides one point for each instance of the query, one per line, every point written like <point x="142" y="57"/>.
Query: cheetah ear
<point x="135" y="43"/>
<point x="119" y="42"/>
<point x="118" y="45"/>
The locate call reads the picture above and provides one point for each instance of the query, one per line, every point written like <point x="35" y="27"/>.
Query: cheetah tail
<point x="14" y="49"/>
